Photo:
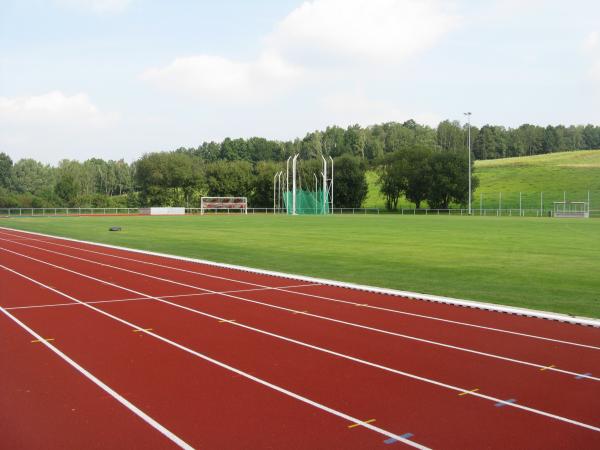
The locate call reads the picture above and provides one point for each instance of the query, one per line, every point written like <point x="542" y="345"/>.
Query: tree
<point x="332" y="141"/>
<point x="169" y="179"/>
<point x="397" y="137"/>
<point x="373" y="149"/>
<point x="551" y="140"/>
<point x="350" y="182"/>
<point x="261" y="149"/>
<point x="355" y="141"/>
<point x="490" y="143"/>
<point x="66" y="188"/>
<point x="418" y="174"/>
<point x="392" y="178"/>
<point x="450" y="136"/>
<point x="234" y="149"/>
<point x="5" y="170"/>
<point x="262" y="193"/>
<point x="450" y="180"/>
<point x="229" y="178"/>
<point x="591" y="137"/>
<point x="31" y="176"/>
<point x="310" y="146"/>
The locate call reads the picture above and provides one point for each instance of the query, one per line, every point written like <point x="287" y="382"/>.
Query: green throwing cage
<point x="307" y="202"/>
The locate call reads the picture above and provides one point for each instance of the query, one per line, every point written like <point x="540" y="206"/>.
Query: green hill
<point x="575" y="173"/>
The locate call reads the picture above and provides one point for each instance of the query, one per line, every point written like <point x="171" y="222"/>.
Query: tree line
<point x="422" y="163"/>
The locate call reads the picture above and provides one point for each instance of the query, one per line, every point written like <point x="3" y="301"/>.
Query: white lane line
<point x="208" y="358"/>
<point x="326" y="318"/>
<point x="304" y="344"/>
<point x="132" y="299"/>
<point x="305" y="294"/>
<point x="118" y="397"/>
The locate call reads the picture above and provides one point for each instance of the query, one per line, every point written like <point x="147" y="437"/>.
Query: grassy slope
<point x="513" y="261"/>
<point x="574" y="172"/>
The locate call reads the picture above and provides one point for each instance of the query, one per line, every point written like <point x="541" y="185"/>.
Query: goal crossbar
<point x="220" y="204"/>
<point x="571" y="209"/>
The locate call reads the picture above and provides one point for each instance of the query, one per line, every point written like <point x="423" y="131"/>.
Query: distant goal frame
<point x="226" y="205"/>
<point x="573" y="210"/>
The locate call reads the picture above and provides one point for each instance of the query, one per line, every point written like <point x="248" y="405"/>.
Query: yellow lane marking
<point x="354" y="425"/>
<point x="364" y="304"/>
<point x="143" y="329"/>
<point x="468" y="392"/>
<point x="42" y="340"/>
<point x="548" y="367"/>
<point x="231" y="320"/>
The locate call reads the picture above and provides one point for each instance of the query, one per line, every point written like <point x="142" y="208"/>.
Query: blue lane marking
<point x="583" y="375"/>
<point x="392" y="440"/>
<point x="503" y="403"/>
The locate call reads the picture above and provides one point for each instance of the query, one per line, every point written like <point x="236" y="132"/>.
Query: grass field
<point x="547" y="264"/>
<point x="574" y="172"/>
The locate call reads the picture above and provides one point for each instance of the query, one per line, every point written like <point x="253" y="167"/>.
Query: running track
<point x="107" y="348"/>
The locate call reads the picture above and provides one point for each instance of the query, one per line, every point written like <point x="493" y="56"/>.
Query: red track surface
<point x="236" y="359"/>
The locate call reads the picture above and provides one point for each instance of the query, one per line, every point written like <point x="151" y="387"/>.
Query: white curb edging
<point x="586" y="321"/>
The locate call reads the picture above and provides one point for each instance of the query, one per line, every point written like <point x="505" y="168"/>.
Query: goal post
<point x="572" y="209"/>
<point x="224" y="204"/>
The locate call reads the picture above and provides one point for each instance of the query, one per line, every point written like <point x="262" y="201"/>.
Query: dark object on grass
<point x="114" y="229"/>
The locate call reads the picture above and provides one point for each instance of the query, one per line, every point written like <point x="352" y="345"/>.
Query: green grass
<point x="574" y="172"/>
<point x="546" y="264"/>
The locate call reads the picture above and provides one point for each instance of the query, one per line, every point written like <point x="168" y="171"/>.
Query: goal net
<point x="572" y="209"/>
<point x="224" y="204"/>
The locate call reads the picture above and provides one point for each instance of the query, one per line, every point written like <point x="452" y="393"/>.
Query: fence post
<point x="500" y="205"/>
<point x="480" y="203"/>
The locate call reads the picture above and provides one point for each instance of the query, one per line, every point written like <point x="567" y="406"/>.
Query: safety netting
<point x="307" y="202"/>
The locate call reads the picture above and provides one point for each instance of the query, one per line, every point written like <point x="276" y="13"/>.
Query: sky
<point x="119" y="78"/>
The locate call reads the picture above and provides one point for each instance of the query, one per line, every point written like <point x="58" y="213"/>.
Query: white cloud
<point x="380" y="31"/>
<point x="219" y="78"/>
<point x="53" y="122"/>
<point x="591" y="42"/>
<point x="319" y="40"/>
<point x="97" y="6"/>
<point x="54" y="107"/>
<point x="591" y="47"/>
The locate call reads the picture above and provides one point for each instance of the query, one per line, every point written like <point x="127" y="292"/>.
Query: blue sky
<point x="117" y="78"/>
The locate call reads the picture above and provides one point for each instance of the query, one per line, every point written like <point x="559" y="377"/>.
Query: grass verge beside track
<point x="546" y="264"/>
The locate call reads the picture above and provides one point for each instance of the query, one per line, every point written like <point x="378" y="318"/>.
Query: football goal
<point x="572" y="209"/>
<point x="223" y="204"/>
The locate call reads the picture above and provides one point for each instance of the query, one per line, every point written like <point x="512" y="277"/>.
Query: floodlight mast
<point x="468" y="114"/>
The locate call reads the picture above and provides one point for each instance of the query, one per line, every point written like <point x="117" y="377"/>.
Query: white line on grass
<point x="411" y="295"/>
<point x="326" y="318"/>
<point x="118" y="397"/>
<point x="212" y="360"/>
<point x="304" y="344"/>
